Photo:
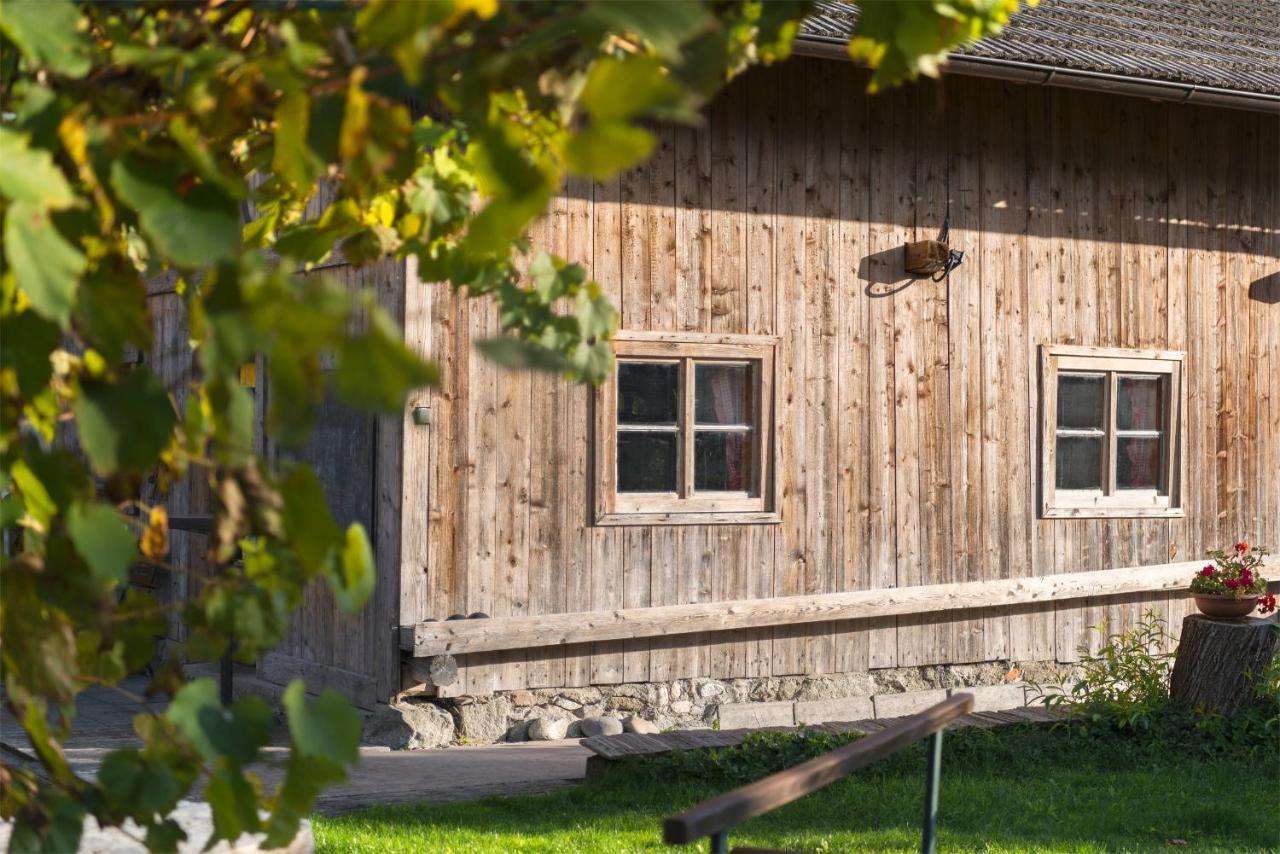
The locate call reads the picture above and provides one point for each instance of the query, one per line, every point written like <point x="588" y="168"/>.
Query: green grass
<point x="1021" y="789"/>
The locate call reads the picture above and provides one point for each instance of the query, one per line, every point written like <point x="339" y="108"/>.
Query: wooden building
<point x="812" y="462"/>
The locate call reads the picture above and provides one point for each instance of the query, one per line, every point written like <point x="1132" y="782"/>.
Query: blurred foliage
<point x="228" y="149"/>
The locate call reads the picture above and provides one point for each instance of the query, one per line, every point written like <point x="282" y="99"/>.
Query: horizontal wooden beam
<point x="464" y="636"/>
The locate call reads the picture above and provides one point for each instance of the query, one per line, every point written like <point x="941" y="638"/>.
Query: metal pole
<point x="720" y="842"/>
<point x="933" y="776"/>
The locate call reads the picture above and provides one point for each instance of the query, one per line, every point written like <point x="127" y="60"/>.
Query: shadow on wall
<point x="1266" y="290"/>
<point x="1093" y="167"/>
<point x="884" y="273"/>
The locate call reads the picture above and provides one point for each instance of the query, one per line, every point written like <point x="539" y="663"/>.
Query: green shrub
<point x="1125" y="684"/>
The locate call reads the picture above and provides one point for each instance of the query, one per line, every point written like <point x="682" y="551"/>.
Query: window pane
<point x="1138" y="403"/>
<point x="1079" y="462"/>
<point x="1080" y="401"/>
<point x="646" y="462"/>
<point x="722" y="461"/>
<point x="722" y="394"/>
<point x="1137" y="462"/>
<point x="647" y="393"/>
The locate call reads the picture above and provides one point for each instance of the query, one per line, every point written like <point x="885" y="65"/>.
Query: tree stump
<point x="1218" y="661"/>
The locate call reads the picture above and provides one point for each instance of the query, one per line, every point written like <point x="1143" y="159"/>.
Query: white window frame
<point x="686" y="506"/>
<point x="1108" y="501"/>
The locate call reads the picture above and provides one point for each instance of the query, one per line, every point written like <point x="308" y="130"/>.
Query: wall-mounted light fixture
<point x="933" y="258"/>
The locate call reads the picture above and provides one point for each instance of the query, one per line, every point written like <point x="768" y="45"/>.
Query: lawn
<point x="1018" y="789"/>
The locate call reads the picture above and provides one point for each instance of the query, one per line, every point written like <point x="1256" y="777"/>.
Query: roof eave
<point x="1048" y="75"/>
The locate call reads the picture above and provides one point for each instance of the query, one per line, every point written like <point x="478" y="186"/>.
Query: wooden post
<point x="1218" y="661"/>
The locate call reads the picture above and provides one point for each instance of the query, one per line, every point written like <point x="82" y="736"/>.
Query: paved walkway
<point x="383" y="776"/>
<point x="424" y="776"/>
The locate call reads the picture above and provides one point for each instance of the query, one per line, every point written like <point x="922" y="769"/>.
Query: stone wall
<point x="700" y="703"/>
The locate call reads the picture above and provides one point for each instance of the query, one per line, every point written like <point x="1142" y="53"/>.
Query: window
<point x="684" y="431"/>
<point x="1111" y="433"/>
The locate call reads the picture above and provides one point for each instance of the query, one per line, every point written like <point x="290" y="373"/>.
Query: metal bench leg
<point x="929" y="842"/>
<point x="720" y="842"/>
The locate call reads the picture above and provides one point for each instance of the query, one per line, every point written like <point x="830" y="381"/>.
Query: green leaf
<point x="124" y="425"/>
<point x="618" y="89"/>
<point x="377" y="371"/>
<point x="327" y="729"/>
<point x="25" y="347"/>
<point x="191" y="222"/>
<point x="30" y="175"/>
<point x="604" y="150"/>
<point x="303" y="779"/>
<point x="353" y="575"/>
<point x="519" y="354"/>
<point x="44" y="264"/>
<point x="112" y="311"/>
<point x="35" y="497"/>
<point x="308" y="522"/>
<point x="236" y="733"/>
<point x="596" y="317"/>
<point x="102" y="539"/>
<point x="665" y="24"/>
<point x="48" y="34"/>
<point x="233" y="802"/>
<point x="292" y="160"/>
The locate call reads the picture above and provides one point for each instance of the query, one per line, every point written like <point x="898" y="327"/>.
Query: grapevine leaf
<point x="44" y="264"/>
<point x="47" y="34"/>
<point x="326" y="729"/>
<point x="124" y="425"/>
<point x="190" y="221"/>
<point x="102" y="539"/>
<point x="29" y="175"/>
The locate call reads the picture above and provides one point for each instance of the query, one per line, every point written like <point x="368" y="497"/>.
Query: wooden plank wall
<point x="357" y="456"/>
<point x="908" y="408"/>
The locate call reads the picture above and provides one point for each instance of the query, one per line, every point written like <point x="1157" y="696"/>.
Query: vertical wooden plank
<point x="964" y="308"/>
<point x="481" y="488"/>
<point x="637" y="564"/>
<point x="853" y="358"/>
<point x="1178" y="240"/>
<point x="664" y="569"/>
<point x="599" y="584"/>
<point x="1032" y="631"/>
<point x="1004" y="433"/>
<point x="792" y="540"/>
<point x="727" y="274"/>
<point x="921" y="383"/>
<point x="761" y="220"/>
<point x="380" y="656"/>
<point x="693" y="227"/>
<point x="913" y="210"/>
<point x="512" y="474"/>
<point x="729" y="306"/>
<point x="823" y="298"/>
<point x="892" y="167"/>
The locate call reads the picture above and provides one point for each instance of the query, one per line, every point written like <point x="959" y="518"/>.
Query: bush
<point x="1124" y="691"/>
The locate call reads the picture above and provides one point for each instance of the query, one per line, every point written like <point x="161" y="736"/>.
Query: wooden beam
<point x="726" y="811"/>
<point x="466" y="636"/>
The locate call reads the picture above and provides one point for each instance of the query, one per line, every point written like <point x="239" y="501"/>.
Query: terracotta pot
<point x="1225" y="607"/>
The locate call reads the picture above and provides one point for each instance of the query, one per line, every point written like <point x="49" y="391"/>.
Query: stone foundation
<point x="699" y="703"/>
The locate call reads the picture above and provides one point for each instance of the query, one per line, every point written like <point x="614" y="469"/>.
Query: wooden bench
<point x="716" y="817"/>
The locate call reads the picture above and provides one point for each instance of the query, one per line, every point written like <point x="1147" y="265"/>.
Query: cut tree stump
<point x="1218" y="661"/>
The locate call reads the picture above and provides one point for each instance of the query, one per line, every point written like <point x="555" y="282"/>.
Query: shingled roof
<point x="1224" y="44"/>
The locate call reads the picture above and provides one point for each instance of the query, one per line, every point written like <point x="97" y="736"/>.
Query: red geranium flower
<point x="1231" y="583"/>
<point x="1207" y="571"/>
<point x="1267" y="603"/>
<point x="1242" y="547"/>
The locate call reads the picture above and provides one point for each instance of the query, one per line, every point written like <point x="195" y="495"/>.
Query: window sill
<point x="1112" y="513"/>
<point x="689" y="518"/>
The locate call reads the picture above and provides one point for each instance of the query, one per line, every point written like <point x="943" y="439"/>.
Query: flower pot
<point x="1225" y="607"/>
